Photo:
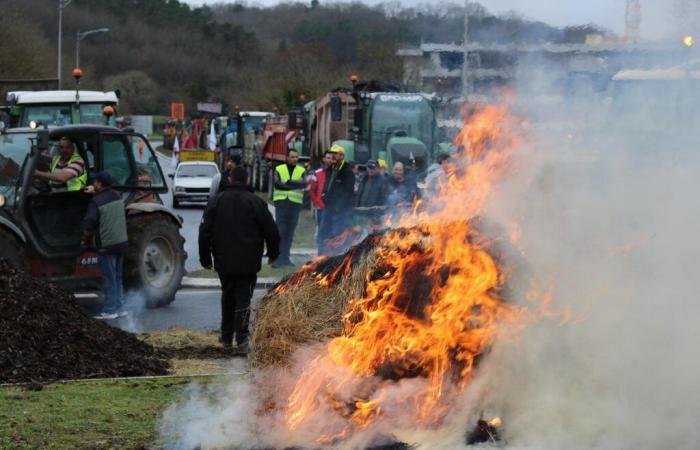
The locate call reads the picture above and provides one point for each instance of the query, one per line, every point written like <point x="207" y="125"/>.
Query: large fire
<point x="431" y="308"/>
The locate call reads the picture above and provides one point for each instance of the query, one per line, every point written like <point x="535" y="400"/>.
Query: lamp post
<point x="62" y="4"/>
<point x="82" y="35"/>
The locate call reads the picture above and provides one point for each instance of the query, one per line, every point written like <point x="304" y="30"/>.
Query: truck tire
<point x="12" y="249"/>
<point x="155" y="261"/>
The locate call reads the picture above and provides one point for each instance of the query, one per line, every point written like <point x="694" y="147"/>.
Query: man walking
<point x="288" y="199"/>
<point x="105" y="225"/>
<point x="235" y="228"/>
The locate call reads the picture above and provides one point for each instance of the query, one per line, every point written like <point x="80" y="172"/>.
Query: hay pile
<point x="300" y="310"/>
<point x="308" y="306"/>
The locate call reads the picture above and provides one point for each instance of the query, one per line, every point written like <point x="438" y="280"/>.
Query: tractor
<point x="40" y="229"/>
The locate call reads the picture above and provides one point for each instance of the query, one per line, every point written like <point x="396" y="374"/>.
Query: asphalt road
<point x="194" y="309"/>
<point x="191" y="214"/>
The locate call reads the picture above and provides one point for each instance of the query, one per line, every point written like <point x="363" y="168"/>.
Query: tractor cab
<point x="45" y="223"/>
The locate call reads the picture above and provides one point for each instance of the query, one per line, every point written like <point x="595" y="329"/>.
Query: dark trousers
<point x="111" y="269"/>
<point x="287" y="217"/>
<point x="236" y="292"/>
<point x="334" y="223"/>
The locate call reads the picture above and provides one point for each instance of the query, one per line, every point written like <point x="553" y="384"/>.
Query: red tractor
<point x="40" y="229"/>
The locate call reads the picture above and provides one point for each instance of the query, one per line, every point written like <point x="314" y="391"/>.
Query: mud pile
<point x="45" y="336"/>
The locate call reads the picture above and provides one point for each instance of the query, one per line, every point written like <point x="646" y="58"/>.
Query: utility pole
<point x="62" y="4"/>
<point x="466" y="82"/>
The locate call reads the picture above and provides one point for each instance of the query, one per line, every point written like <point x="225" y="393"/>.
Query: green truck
<point x="376" y="121"/>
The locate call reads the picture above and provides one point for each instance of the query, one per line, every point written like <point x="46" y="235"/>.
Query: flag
<point x="212" y="137"/>
<point x="176" y="153"/>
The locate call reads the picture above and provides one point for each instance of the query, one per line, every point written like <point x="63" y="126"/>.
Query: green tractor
<point x="40" y="229"/>
<point x="377" y="121"/>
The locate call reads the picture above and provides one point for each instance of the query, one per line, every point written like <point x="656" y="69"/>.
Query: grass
<point x="92" y="414"/>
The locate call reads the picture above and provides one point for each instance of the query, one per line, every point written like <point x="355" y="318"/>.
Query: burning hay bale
<point x="307" y="306"/>
<point x="45" y="336"/>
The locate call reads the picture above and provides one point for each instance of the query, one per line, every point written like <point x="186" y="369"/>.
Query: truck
<point x="243" y="135"/>
<point x="375" y="120"/>
<point x="40" y="229"/>
<point x="58" y="108"/>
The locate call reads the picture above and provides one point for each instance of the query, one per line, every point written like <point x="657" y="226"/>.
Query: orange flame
<point x="430" y="310"/>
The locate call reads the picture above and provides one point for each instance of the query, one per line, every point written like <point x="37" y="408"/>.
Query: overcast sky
<point x="656" y="14"/>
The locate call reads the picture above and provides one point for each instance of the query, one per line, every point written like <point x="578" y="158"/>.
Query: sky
<point x="657" y="20"/>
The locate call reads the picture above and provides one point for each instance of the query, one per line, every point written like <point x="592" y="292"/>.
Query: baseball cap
<point x="372" y="164"/>
<point x="381" y="163"/>
<point x="103" y="177"/>
<point x="335" y="148"/>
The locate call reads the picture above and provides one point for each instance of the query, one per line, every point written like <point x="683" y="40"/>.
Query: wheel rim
<point x="159" y="262"/>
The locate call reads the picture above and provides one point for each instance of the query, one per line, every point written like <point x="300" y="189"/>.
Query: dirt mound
<point x="45" y="336"/>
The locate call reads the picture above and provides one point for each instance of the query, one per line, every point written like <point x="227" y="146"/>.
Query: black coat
<point x="339" y="191"/>
<point x="234" y="228"/>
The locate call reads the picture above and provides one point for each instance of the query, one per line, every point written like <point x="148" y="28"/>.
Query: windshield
<point x="47" y="114"/>
<point x="197" y="170"/>
<point x="62" y="114"/>
<point x="253" y="122"/>
<point x="14" y="149"/>
<point x="401" y="115"/>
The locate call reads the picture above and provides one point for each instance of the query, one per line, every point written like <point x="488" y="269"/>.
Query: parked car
<point x="192" y="181"/>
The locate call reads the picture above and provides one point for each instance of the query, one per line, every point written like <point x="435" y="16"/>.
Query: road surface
<point x="192" y="308"/>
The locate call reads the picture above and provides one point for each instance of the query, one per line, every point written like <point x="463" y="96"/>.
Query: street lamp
<point x="82" y="35"/>
<point x="62" y="4"/>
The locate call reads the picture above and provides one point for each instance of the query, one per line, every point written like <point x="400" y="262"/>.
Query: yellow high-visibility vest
<point x="76" y="183"/>
<point x="294" y="195"/>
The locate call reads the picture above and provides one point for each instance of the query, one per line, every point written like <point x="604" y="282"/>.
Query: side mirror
<point x="171" y="175"/>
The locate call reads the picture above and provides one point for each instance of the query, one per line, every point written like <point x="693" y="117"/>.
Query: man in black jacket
<point x="234" y="228"/>
<point x="339" y="197"/>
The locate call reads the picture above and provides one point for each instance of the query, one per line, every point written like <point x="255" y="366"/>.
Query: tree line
<point x="162" y="51"/>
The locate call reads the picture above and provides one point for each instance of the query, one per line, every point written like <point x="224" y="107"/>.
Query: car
<point x="192" y="181"/>
<point x="40" y="229"/>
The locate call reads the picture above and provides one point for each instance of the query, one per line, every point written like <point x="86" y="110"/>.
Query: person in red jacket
<point x="316" y="183"/>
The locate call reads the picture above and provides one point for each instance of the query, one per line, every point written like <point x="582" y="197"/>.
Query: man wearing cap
<point x="67" y="169"/>
<point x="339" y="193"/>
<point x="288" y="199"/>
<point x="371" y="198"/>
<point x="104" y="229"/>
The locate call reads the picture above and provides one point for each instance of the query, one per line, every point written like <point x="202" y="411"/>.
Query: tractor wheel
<point x="12" y="249"/>
<point x="155" y="260"/>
